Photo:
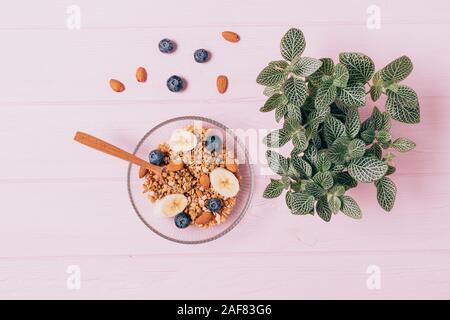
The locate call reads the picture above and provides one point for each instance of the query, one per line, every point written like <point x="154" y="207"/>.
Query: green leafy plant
<point x="333" y="150"/>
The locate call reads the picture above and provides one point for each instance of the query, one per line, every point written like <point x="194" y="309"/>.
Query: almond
<point x="204" y="181"/>
<point x="116" y="85"/>
<point x="222" y="83"/>
<point x="204" y="218"/>
<point x="174" y="166"/>
<point x="141" y="74"/>
<point x="142" y="172"/>
<point x="231" y="165"/>
<point x="230" y="36"/>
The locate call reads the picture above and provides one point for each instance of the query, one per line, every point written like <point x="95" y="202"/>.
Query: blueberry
<point x="166" y="46"/>
<point x="182" y="220"/>
<point x="156" y="157"/>
<point x="214" y="204"/>
<point x="175" y="83"/>
<point x="201" y="55"/>
<point x="213" y="143"/>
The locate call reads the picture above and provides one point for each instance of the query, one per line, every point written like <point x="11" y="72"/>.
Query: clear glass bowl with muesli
<point x="206" y="186"/>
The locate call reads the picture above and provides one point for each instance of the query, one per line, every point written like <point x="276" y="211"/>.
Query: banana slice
<point x="224" y="182"/>
<point x="182" y="140"/>
<point x="171" y="205"/>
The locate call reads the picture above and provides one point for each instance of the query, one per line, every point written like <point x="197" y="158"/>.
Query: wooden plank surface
<point x="64" y="205"/>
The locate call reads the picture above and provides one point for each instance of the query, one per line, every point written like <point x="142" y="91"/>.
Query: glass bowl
<point x="165" y="227"/>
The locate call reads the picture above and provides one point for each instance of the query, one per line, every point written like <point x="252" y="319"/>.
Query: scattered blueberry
<point x="156" y="157"/>
<point x="166" y="46"/>
<point x="213" y="143"/>
<point x="214" y="204"/>
<point x="182" y="220"/>
<point x="175" y="83"/>
<point x="201" y="55"/>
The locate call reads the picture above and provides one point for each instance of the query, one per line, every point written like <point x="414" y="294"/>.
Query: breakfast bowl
<point x="187" y="226"/>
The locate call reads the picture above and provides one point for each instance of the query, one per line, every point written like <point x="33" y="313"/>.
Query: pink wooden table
<point x="62" y="205"/>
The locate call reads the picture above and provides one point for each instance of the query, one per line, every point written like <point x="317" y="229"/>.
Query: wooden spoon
<point x="108" y="148"/>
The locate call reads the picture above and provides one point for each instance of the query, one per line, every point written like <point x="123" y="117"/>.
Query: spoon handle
<point x="112" y="150"/>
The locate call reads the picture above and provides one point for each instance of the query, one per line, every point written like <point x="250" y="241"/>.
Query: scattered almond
<point x="116" y="85"/>
<point x="204" y="181"/>
<point x="174" y="166"/>
<point x="204" y="218"/>
<point x="230" y="36"/>
<point x="141" y="74"/>
<point x="231" y="166"/>
<point x="142" y="172"/>
<point x="222" y="83"/>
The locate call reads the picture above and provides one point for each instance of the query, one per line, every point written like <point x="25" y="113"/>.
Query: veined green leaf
<point x="334" y="203"/>
<point x="384" y="137"/>
<point x="403" y="145"/>
<point x="375" y="151"/>
<point x="401" y="113"/>
<point x="352" y="122"/>
<point x="273" y="189"/>
<point x="292" y="44"/>
<point x="340" y="76"/>
<point x="350" y="208"/>
<point x="301" y="203"/>
<point x="326" y="69"/>
<point x="345" y="179"/>
<point x="314" y="189"/>
<point x="282" y="64"/>
<point x="385" y="122"/>
<point x="325" y="179"/>
<point x="295" y="91"/>
<point x="270" y="91"/>
<point x="278" y="163"/>
<point x="299" y="140"/>
<point x="338" y="150"/>
<point x="386" y="192"/>
<point x="404" y="96"/>
<point x="271" y="76"/>
<point x="354" y="96"/>
<point x="333" y="129"/>
<point x="356" y="149"/>
<point x="367" y="169"/>
<point x="280" y="112"/>
<point x="323" y="210"/>
<point x="375" y="92"/>
<point x="306" y="66"/>
<point x="323" y="162"/>
<point x="326" y="93"/>
<point x="277" y="138"/>
<point x="368" y="136"/>
<point x="294" y="112"/>
<point x="302" y="167"/>
<point x="273" y="102"/>
<point x="397" y="70"/>
<point x="360" y="66"/>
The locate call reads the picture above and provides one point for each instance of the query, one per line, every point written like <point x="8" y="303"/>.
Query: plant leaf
<point x="403" y="145"/>
<point x="340" y="75"/>
<point x="403" y="96"/>
<point x="271" y="76"/>
<point x="273" y="102"/>
<point x="367" y="169"/>
<point x="325" y="179"/>
<point x="270" y="91"/>
<point x="282" y="64"/>
<point x="323" y="210"/>
<point x="299" y="140"/>
<point x="301" y="203"/>
<point x="352" y="122"/>
<point x="359" y="66"/>
<point x="294" y="112"/>
<point x="276" y="138"/>
<point x="326" y="69"/>
<point x="384" y="137"/>
<point x="323" y="162"/>
<point x="306" y="66"/>
<point x="280" y="112"/>
<point x="375" y="151"/>
<point x="401" y="113"/>
<point x="326" y="93"/>
<point x="302" y="167"/>
<point x="334" y="203"/>
<point x="292" y="44"/>
<point x="345" y="179"/>
<point x="338" y="150"/>
<point x="397" y="70"/>
<point x="356" y="149"/>
<point x="314" y="189"/>
<point x="350" y="208"/>
<point x="386" y="193"/>
<point x="333" y="129"/>
<point x="295" y="91"/>
<point x="273" y="189"/>
<point x="278" y="163"/>
<point x="354" y="96"/>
